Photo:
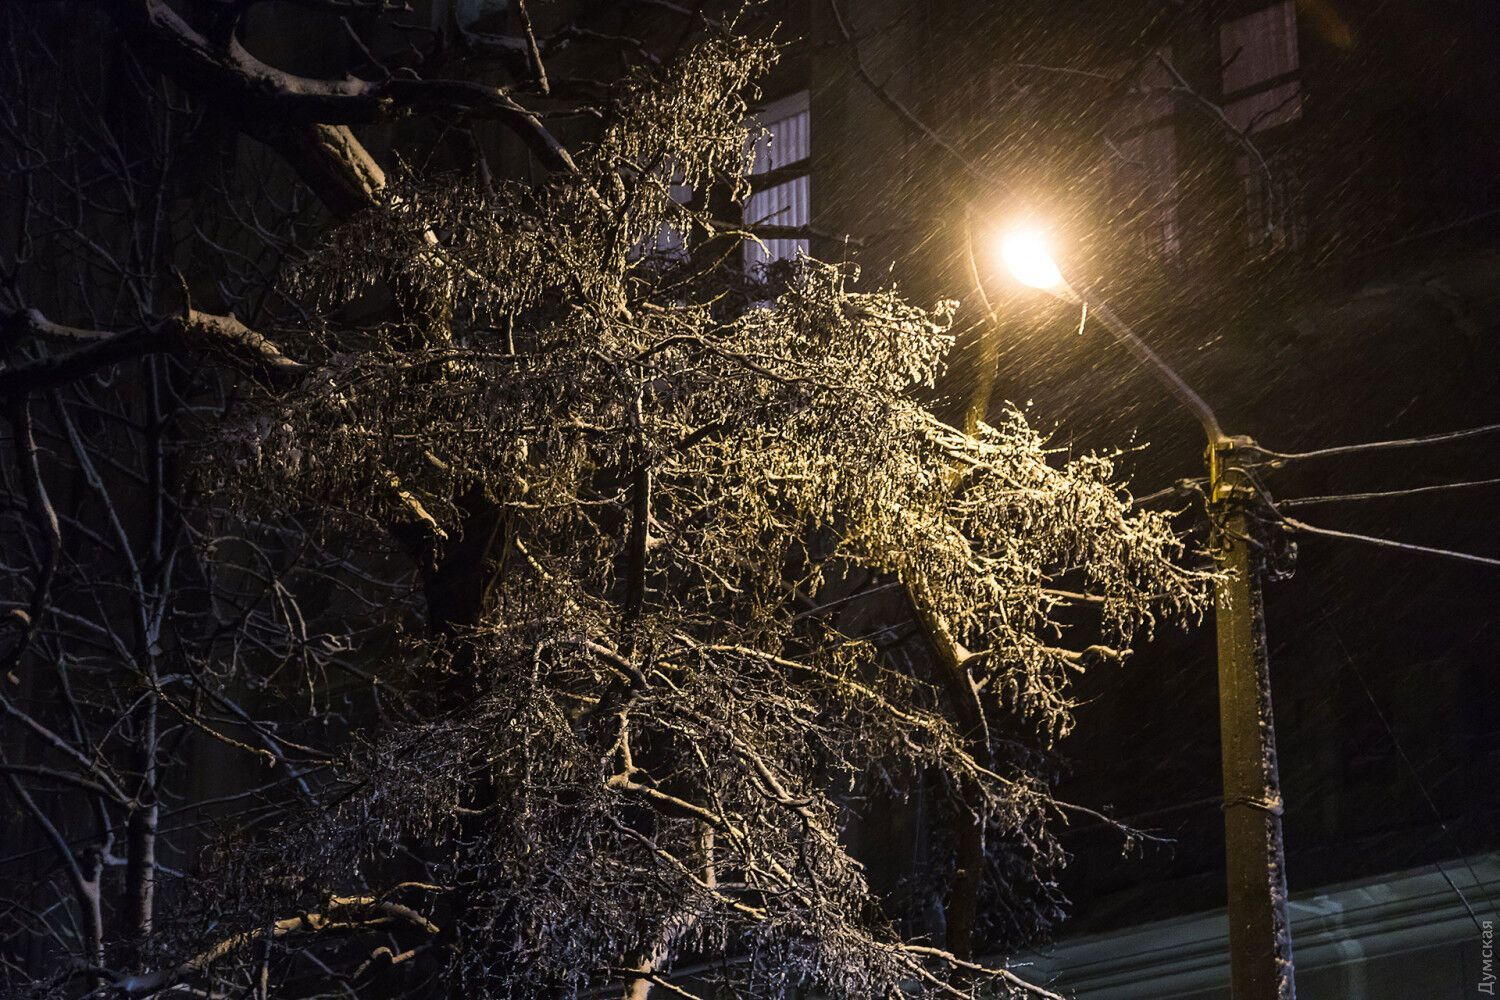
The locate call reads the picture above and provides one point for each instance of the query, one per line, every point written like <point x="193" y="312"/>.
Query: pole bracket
<point x="1272" y="806"/>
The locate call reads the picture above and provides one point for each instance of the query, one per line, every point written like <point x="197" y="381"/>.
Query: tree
<point x="461" y="587"/>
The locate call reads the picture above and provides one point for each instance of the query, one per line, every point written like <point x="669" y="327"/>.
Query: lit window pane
<point x="786" y="141"/>
<point x="670" y="239"/>
<point x="783" y="205"/>
<point x="1275" y="215"/>
<point x="786" y="136"/>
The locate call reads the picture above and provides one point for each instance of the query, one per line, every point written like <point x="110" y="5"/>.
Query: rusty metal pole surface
<point x="1260" y="941"/>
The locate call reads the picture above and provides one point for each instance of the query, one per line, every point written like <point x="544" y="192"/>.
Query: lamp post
<point x="1260" y="945"/>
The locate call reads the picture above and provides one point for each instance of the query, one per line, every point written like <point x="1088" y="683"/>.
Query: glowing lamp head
<point x="1029" y="259"/>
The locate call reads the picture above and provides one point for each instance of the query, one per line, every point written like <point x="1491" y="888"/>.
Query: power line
<point x="1349" y="449"/>
<point x="1384" y="494"/>
<point x="1390" y="543"/>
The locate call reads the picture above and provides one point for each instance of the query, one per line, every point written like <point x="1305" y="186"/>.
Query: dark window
<point x="475" y="12"/>
<point x="1143" y="166"/>
<point x="1259" y="53"/>
<point x="1263" y="92"/>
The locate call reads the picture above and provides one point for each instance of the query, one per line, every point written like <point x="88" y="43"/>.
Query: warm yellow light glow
<point x="1026" y="253"/>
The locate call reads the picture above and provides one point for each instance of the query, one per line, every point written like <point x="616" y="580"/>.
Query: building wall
<point x="1396" y="937"/>
<point x="1370" y="312"/>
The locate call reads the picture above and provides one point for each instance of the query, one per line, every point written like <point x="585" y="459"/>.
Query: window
<point x="1259" y="53"/>
<point x="782" y="150"/>
<point x="1148" y="169"/>
<point x="670" y="241"/>
<point x="1275" y="214"/>
<point x="1143" y="168"/>
<point x="1262" y="91"/>
<point x="470" y="12"/>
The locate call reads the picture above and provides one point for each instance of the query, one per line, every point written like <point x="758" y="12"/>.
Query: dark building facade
<point x="1297" y="204"/>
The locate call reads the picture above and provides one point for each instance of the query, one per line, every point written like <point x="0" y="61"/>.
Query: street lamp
<point x="1260" y="945"/>
<point x="1027" y="254"/>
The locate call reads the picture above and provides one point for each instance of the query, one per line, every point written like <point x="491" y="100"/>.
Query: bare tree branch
<point x="341" y="913"/>
<point x="230" y="76"/>
<point x="223" y="335"/>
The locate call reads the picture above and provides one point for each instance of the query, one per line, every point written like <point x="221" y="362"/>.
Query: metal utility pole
<point x="1260" y="940"/>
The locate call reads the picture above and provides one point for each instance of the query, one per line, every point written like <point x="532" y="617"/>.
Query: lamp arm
<point x="1164" y="372"/>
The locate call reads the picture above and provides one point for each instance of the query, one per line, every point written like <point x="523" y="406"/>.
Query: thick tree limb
<point x="767" y="179"/>
<point x="232" y="77"/>
<point x="953" y="673"/>
<point x="330" y="161"/>
<point x="533" y="52"/>
<point x="341" y="913"/>
<point x="247" y="350"/>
